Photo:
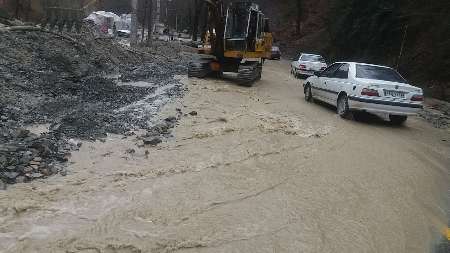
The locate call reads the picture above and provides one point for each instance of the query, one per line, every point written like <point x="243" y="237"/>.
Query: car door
<point x="337" y="82"/>
<point x="321" y="90"/>
<point x="295" y="64"/>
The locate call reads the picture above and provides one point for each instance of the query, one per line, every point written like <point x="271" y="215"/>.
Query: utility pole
<point x="134" y="23"/>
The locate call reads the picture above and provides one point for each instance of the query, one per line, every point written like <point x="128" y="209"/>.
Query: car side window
<point x="342" y="72"/>
<point x="330" y="70"/>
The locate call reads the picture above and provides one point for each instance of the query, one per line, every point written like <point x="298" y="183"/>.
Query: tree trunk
<point x="144" y="20"/>
<point x="299" y="17"/>
<point x="133" y="23"/>
<point x="197" y="13"/>
<point x="150" y="23"/>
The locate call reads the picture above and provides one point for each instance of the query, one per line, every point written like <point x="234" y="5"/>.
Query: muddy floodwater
<point x="253" y="170"/>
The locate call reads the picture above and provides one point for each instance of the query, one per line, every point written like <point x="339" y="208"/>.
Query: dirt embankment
<point x="74" y="86"/>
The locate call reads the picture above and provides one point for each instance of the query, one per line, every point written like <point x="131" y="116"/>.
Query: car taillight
<point x="370" y="92"/>
<point x="417" y="98"/>
<point x="302" y="66"/>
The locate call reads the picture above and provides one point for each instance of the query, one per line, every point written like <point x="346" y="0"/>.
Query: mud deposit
<point x="81" y="89"/>
<point x="247" y="170"/>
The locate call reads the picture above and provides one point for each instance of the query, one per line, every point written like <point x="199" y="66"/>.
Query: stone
<point x="21" y="133"/>
<point x="45" y="172"/>
<point x="193" y="113"/>
<point x="63" y="172"/>
<point x="34" y="175"/>
<point x="130" y="151"/>
<point x="3" y="159"/>
<point x="27" y="169"/>
<point x="37" y="159"/>
<point x="20" y="179"/>
<point x="2" y="185"/>
<point x="11" y="175"/>
<point x="11" y="168"/>
<point x="152" y="141"/>
<point x="171" y="119"/>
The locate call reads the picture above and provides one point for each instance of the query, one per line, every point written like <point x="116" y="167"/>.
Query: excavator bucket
<point x="67" y="14"/>
<point x="52" y="13"/>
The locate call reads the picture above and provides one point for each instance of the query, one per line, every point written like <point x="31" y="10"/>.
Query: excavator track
<point x="199" y="68"/>
<point x="249" y="73"/>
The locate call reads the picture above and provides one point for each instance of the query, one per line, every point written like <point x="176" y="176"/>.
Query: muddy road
<point x="248" y="170"/>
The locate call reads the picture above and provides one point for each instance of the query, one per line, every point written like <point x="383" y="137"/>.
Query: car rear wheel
<point x="397" y="119"/>
<point x="342" y="107"/>
<point x="308" y="93"/>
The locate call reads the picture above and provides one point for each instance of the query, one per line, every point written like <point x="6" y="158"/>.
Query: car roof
<point x="365" y="64"/>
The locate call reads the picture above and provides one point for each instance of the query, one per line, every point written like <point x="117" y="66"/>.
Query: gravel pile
<point x="82" y="86"/>
<point x="437" y="112"/>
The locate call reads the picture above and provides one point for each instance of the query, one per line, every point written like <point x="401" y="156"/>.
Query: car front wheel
<point x="397" y="119"/>
<point x="342" y="107"/>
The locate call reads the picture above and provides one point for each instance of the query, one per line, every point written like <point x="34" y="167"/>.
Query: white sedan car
<point x="363" y="87"/>
<point x="306" y="64"/>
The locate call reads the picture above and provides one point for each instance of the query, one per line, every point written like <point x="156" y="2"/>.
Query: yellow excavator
<point x="237" y="40"/>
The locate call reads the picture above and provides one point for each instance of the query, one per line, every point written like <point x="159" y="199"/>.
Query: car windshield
<point x="378" y="73"/>
<point x="312" y="58"/>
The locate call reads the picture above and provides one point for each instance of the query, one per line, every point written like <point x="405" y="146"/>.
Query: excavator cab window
<point x="252" y="31"/>
<point x="235" y="20"/>
<point x="266" y="25"/>
<point x="236" y="29"/>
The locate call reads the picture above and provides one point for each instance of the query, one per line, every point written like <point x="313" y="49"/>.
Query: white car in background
<point x="306" y="64"/>
<point x="363" y="87"/>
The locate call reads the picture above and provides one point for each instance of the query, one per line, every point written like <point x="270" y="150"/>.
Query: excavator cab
<point x="246" y="43"/>
<point x="244" y="30"/>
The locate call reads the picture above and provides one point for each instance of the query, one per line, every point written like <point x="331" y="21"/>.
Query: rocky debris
<point x="25" y="156"/>
<point x="48" y="79"/>
<point x="152" y="141"/>
<point x="437" y="112"/>
<point x="158" y="131"/>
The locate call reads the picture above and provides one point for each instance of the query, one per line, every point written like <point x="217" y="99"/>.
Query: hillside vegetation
<point x="411" y="35"/>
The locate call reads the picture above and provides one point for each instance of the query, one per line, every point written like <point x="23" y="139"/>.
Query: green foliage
<point x="365" y="30"/>
<point x="373" y="31"/>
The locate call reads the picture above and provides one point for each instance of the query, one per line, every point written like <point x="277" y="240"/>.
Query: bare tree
<point x="198" y="6"/>
<point x="144" y="19"/>
<point x="150" y="23"/>
<point x="299" y="16"/>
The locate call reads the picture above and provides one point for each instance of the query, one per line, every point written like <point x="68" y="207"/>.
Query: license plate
<point x="395" y="93"/>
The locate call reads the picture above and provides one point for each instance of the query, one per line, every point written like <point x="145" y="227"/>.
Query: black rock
<point x="10" y="175"/>
<point x="171" y="119"/>
<point x="193" y="113"/>
<point x="152" y="141"/>
<point x="130" y="151"/>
